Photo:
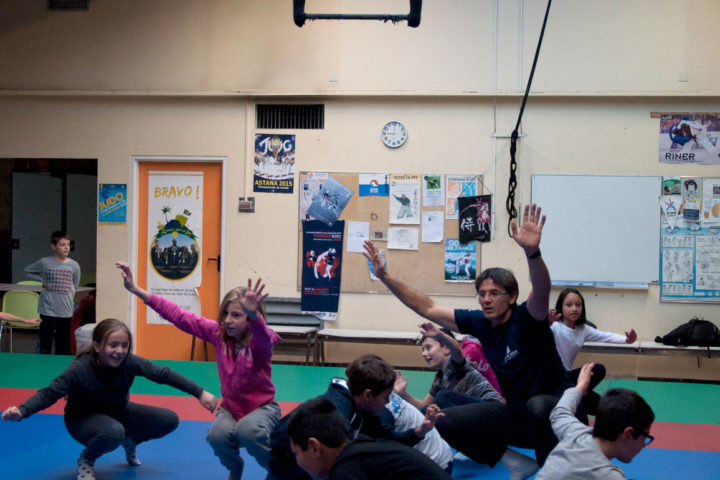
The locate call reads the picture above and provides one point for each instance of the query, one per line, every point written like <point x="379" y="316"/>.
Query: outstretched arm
<point x="412" y="298"/>
<point x="9" y="317"/>
<point x="129" y="282"/>
<point x="12" y="414"/>
<point x="528" y="238"/>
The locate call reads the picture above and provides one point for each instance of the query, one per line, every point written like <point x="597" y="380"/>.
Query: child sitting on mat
<point x="98" y="413"/>
<point x="244" y="345"/>
<point x="621" y="430"/>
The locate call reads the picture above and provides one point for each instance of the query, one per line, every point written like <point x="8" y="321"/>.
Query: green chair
<point x="87" y="279"/>
<point x="29" y="282"/>
<point x="22" y="304"/>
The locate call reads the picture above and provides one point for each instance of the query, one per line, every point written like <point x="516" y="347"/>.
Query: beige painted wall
<point x="182" y="78"/>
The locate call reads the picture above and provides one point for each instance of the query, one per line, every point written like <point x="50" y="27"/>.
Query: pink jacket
<point x="245" y="383"/>
<point x="472" y="349"/>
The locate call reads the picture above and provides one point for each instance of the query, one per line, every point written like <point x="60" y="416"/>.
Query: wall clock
<point x="394" y="134"/>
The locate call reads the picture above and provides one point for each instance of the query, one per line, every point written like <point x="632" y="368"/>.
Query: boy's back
<point x="576" y="455"/>
<point x="621" y="431"/>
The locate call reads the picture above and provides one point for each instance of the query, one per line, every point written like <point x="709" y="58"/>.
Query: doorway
<point x="162" y="341"/>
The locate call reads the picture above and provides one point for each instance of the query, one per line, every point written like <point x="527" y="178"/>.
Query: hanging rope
<point x="512" y="182"/>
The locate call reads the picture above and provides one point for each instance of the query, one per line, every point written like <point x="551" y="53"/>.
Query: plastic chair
<point x="22" y="304"/>
<point x="87" y="279"/>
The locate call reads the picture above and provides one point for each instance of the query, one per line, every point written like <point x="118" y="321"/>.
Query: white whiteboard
<point x="601" y="230"/>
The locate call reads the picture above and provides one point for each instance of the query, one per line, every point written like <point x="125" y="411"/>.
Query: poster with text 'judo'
<point x="175" y="214"/>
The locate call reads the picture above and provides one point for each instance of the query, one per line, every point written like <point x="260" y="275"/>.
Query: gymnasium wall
<point x="183" y="78"/>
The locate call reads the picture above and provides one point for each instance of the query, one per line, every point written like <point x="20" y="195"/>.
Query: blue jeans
<point x="252" y="432"/>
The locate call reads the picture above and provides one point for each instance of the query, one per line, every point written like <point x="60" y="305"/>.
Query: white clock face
<point x="394" y="134"/>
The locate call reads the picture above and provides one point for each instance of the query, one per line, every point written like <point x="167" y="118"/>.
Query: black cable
<point x="512" y="182"/>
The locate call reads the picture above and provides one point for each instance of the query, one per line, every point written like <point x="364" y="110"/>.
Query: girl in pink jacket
<point x="244" y="345"/>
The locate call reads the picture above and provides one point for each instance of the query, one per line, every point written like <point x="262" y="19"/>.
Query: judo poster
<point x="112" y="203"/>
<point x="374" y="184"/>
<point x="458" y="186"/>
<point x="690" y="138"/>
<point x="309" y="188"/>
<point x="329" y="201"/>
<point x="321" y="269"/>
<point x="175" y="215"/>
<point x="274" y="170"/>
<point x="405" y="199"/>
<point x="460" y="261"/>
<point x="474" y="221"/>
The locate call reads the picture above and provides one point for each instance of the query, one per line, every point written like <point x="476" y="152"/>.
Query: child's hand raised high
<point x="252" y="297"/>
<point x="429" y="329"/>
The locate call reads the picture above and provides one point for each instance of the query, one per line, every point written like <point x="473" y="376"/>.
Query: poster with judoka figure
<point x="474" y="218"/>
<point x="405" y="199"/>
<point x="321" y="269"/>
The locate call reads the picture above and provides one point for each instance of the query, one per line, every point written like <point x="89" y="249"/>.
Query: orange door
<point x="166" y="341"/>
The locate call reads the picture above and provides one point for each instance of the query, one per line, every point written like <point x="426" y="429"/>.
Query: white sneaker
<point x="130" y="454"/>
<point x="85" y="469"/>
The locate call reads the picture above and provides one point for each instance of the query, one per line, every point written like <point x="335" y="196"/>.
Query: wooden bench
<point x="361" y="336"/>
<point x="652" y="348"/>
<point x="284" y="315"/>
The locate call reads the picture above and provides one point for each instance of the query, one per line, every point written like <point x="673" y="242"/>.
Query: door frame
<point x="136" y="160"/>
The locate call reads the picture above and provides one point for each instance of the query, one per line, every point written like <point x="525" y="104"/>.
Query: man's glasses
<point x="491" y="293"/>
<point x="648" y="438"/>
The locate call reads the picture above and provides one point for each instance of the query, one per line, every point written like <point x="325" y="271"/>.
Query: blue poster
<point x="274" y="170"/>
<point x="321" y="269"/>
<point x="112" y="203"/>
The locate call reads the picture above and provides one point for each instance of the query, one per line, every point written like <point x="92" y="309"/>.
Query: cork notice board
<point x="424" y="268"/>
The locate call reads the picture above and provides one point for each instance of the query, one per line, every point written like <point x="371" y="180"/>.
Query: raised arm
<point x="412" y="298"/>
<point x="528" y="238"/>
<point x="129" y="282"/>
<point x="431" y="330"/>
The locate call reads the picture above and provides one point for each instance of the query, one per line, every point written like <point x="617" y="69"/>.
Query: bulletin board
<point x="690" y="247"/>
<point x="601" y="230"/>
<point x="423" y="269"/>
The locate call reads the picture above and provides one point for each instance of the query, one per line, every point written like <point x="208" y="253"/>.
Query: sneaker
<point x="130" y="454"/>
<point x="85" y="469"/>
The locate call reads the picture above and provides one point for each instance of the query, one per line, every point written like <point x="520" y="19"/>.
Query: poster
<point x="710" y="217"/>
<point x="112" y="203"/>
<point x="309" y="188"/>
<point x="474" y="221"/>
<point x="690" y="252"/>
<point x="433" y="190"/>
<point x="321" y="269"/>
<point x="329" y="201"/>
<point x="374" y="184"/>
<point x="690" y="138"/>
<point x="460" y="261"/>
<point x="458" y="186"/>
<point x="175" y="215"/>
<point x="274" y="169"/>
<point x="405" y="199"/>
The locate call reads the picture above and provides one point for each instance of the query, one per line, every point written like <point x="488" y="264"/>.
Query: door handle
<point x="215" y="260"/>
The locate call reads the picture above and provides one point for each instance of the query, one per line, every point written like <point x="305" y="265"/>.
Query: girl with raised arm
<point x="244" y="345"/>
